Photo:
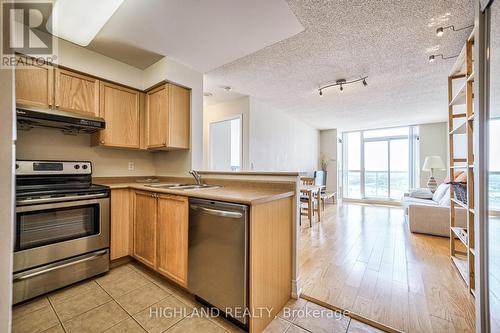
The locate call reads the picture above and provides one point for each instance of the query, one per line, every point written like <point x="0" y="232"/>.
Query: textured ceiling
<point x="389" y="41"/>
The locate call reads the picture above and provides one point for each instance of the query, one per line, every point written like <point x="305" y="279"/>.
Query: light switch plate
<point x="131" y="166"/>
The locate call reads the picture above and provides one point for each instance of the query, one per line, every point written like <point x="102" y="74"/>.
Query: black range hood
<point x="70" y="123"/>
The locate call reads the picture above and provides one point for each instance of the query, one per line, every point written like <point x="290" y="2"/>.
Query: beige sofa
<point x="432" y="216"/>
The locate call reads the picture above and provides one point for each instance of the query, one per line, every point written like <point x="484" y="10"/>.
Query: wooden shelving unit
<point x="461" y="123"/>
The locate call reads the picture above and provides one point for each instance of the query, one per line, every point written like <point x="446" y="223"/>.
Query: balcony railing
<point x="376" y="185"/>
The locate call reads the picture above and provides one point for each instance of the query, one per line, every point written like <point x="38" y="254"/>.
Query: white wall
<point x="6" y="196"/>
<point x="279" y="142"/>
<point x="87" y="61"/>
<point x="433" y="141"/>
<point x="41" y="143"/>
<point x="328" y="151"/>
<point x="222" y="111"/>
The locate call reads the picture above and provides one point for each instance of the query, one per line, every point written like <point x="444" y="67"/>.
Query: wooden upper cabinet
<point x="76" y="93"/>
<point x="157" y="117"/>
<point x="35" y="85"/>
<point x="179" y="120"/>
<point x="168" y="117"/>
<point x="144" y="248"/>
<point x="120" y="108"/>
<point x="172" y="240"/>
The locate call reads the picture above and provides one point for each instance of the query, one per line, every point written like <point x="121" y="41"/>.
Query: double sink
<point x="183" y="186"/>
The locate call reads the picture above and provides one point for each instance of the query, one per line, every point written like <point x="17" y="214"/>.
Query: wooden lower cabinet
<point x="121" y="223"/>
<point x="145" y="217"/>
<point x="160" y="238"/>
<point x="172" y="237"/>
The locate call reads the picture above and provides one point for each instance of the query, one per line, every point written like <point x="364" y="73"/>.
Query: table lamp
<point x="432" y="163"/>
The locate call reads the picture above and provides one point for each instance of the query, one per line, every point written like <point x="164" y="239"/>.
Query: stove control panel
<point x="53" y="168"/>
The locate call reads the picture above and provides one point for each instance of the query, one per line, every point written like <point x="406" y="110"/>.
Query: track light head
<point x="341" y="88"/>
<point x="364" y="82"/>
<point x="321" y="92"/>
<point x="439" y="31"/>
<point x="432" y="58"/>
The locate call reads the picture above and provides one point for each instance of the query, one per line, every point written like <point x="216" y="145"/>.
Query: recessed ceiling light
<point x="79" y="21"/>
<point x="227" y="88"/>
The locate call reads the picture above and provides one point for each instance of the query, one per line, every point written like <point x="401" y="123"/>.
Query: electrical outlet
<point x="131" y="166"/>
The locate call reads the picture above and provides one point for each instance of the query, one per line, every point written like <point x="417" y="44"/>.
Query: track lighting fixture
<point x="440" y="30"/>
<point x="341" y="83"/>
<point x="433" y="57"/>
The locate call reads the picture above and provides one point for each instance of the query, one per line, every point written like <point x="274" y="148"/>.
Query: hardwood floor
<point x="364" y="259"/>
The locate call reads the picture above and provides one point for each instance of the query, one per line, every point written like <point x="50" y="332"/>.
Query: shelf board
<point x="460" y="203"/>
<point x="471" y="117"/>
<point x="460" y="160"/>
<point x="472" y="33"/>
<point x="471" y="77"/>
<point x="458" y="167"/>
<point x="462" y="266"/>
<point x="458" y="232"/>
<point x="460" y="97"/>
<point x="459" y="67"/>
<point x="459" y="115"/>
<point x="461" y="129"/>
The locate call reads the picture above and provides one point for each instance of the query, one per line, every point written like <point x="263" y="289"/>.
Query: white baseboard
<point x="296" y="288"/>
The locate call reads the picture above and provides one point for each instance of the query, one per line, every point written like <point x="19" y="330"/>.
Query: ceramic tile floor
<point x="123" y="301"/>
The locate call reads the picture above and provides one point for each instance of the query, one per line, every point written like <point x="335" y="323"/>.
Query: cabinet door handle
<point x="102" y="142"/>
<point x="57" y="106"/>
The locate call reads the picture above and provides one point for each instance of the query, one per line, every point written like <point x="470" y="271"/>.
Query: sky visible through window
<point x="386" y="163"/>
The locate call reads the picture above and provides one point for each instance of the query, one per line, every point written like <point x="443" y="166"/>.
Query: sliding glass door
<point x="378" y="163"/>
<point x="376" y="169"/>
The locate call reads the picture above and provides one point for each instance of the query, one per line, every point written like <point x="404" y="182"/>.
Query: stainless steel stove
<point x="62" y="226"/>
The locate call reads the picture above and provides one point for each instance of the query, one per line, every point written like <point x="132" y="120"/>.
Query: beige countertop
<point x="228" y="193"/>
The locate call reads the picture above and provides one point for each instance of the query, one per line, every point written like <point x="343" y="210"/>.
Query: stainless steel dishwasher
<point x="218" y="255"/>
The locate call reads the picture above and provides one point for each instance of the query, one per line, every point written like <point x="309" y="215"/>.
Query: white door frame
<point x="240" y="117"/>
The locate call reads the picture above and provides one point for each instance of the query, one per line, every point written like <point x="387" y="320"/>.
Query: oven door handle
<point x="55" y="266"/>
<point x="60" y="199"/>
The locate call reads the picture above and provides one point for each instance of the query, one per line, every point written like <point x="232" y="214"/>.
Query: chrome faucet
<point x="196" y="176"/>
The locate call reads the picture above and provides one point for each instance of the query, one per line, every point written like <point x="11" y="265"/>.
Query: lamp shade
<point x="433" y="162"/>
